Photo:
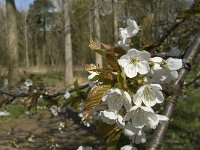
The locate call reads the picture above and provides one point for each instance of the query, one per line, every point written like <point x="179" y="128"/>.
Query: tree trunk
<point x="97" y="32"/>
<point x="115" y="19"/>
<point x="12" y="34"/>
<point x="26" y="41"/>
<point x="68" y="45"/>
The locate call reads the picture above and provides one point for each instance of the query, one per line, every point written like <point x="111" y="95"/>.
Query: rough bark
<point x="12" y="37"/>
<point x="170" y="105"/>
<point x="68" y="45"/>
<point x="97" y="32"/>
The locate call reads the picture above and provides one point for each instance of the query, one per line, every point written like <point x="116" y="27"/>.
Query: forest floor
<point x="44" y="128"/>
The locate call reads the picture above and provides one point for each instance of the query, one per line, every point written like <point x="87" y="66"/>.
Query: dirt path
<point x="43" y="127"/>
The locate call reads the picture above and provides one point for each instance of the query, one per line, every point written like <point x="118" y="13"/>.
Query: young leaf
<point x="94" y="98"/>
<point x="90" y="67"/>
<point x="121" y="81"/>
<point x="95" y="47"/>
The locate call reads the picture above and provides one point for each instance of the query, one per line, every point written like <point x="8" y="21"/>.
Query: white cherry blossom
<point x="159" y="74"/>
<point x="142" y="116"/>
<point x="128" y="147"/>
<point x="130" y="31"/>
<point x="136" y="134"/>
<point x="28" y="82"/>
<point x="90" y="77"/>
<point x="132" y="28"/>
<point x="124" y="44"/>
<point x="108" y="117"/>
<point x="84" y="148"/>
<point x="4" y="113"/>
<point x="117" y="98"/>
<point x="120" y="122"/>
<point x="174" y="63"/>
<point x="67" y="95"/>
<point x="135" y="62"/>
<point x="149" y="95"/>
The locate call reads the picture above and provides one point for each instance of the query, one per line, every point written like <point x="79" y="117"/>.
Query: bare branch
<point x="170" y="105"/>
<point x="167" y="33"/>
<point x="15" y="94"/>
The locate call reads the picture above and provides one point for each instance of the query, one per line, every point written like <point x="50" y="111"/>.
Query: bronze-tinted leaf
<point x="112" y="61"/>
<point x="90" y="67"/>
<point x="119" y="51"/>
<point x="94" y="98"/>
<point x="96" y="47"/>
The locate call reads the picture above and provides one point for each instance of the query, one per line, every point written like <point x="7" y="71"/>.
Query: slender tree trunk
<point x="12" y="34"/>
<point x="68" y="45"/>
<point x="115" y="19"/>
<point x="26" y="42"/>
<point x="97" y="32"/>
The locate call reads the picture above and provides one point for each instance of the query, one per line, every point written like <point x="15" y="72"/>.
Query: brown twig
<point x="170" y="105"/>
<point x="167" y="33"/>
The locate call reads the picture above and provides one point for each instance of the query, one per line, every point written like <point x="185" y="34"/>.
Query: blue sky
<point x="21" y="4"/>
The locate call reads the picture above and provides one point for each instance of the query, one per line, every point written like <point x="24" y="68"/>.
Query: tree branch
<point x="167" y="33"/>
<point x="170" y="105"/>
<point x="15" y="94"/>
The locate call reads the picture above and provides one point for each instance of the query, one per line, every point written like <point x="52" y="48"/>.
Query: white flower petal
<point x="159" y="96"/>
<point x="174" y="64"/>
<point x="144" y="55"/>
<point x="143" y="67"/>
<point x="127" y="101"/>
<point x="140" y="138"/>
<point x="130" y="130"/>
<point x="122" y="33"/>
<point x="120" y="122"/>
<point x="137" y="99"/>
<point x="84" y="148"/>
<point x="156" y="59"/>
<point x="162" y="118"/>
<point x="130" y="70"/>
<point x="108" y="117"/>
<point x="147" y="109"/>
<point x="132" y="52"/>
<point x="67" y="95"/>
<point x="124" y="61"/>
<point x="128" y="116"/>
<point x="152" y="121"/>
<point x="128" y="147"/>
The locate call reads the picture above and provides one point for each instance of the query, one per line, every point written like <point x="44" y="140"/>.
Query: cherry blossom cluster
<point x="133" y="111"/>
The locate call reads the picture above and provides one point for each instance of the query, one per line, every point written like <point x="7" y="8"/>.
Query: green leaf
<point x="121" y="81"/>
<point x="94" y="98"/>
<point x="146" y="38"/>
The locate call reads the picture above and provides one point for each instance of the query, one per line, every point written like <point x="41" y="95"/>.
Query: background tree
<point x="12" y="42"/>
<point x="68" y="44"/>
<point x="97" y="31"/>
